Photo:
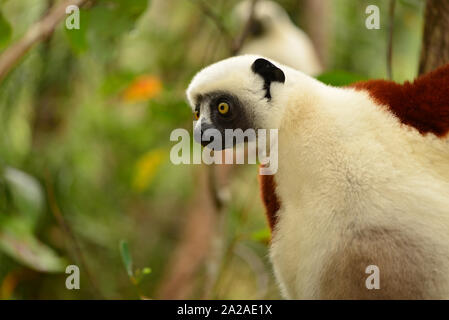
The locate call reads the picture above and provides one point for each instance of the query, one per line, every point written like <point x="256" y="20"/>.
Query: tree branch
<point x="435" y="43"/>
<point x="237" y="43"/>
<point x="215" y="19"/>
<point x="390" y="40"/>
<point x="36" y="33"/>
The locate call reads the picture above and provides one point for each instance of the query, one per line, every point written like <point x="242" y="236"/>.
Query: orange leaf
<point x="143" y="88"/>
<point x="146" y="167"/>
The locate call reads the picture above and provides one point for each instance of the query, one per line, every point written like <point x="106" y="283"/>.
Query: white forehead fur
<point x="233" y="75"/>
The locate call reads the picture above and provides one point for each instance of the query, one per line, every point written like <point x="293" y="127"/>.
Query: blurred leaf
<point x="170" y="109"/>
<point x="140" y="275"/>
<point x="262" y="235"/>
<point x="8" y="285"/>
<point x="137" y="276"/>
<point x="5" y="31"/>
<point x="412" y="3"/>
<point x="143" y="89"/>
<point x="126" y="258"/>
<point x="27" y="193"/>
<point x="109" y="20"/>
<point x="134" y="8"/>
<point x="116" y="82"/>
<point x="340" y="78"/>
<point x="18" y="243"/>
<point x="12" y="280"/>
<point x="146" y="168"/>
<point x="146" y="270"/>
<point x="78" y="37"/>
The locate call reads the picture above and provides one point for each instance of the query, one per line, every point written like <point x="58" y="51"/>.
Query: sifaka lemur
<point x="363" y="175"/>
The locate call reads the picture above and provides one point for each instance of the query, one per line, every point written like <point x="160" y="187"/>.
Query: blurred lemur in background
<point x="273" y="35"/>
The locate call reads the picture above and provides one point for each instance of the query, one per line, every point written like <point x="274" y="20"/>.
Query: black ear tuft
<point x="269" y="72"/>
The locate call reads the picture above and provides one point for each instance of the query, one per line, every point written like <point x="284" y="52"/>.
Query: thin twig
<point x="390" y="40"/>
<point x="215" y="19"/>
<point x="35" y="34"/>
<point x="54" y="208"/>
<point x="235" y="43"/>
<point x="238" y="41"/>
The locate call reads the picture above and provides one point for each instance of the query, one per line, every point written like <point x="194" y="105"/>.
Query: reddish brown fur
<point x="269" y="198"/>
<point x="422" y="104"/>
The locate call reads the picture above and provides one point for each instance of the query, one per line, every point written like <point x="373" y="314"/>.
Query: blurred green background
<point x="85" y="120"/>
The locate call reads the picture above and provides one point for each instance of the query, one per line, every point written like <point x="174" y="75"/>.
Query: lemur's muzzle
<point x="205" y="135"/>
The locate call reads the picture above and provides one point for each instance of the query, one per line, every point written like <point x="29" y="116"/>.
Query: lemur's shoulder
<point x="422" y="104"/>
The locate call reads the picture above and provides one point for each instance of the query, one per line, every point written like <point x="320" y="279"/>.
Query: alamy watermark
<point x="73" y="20"/>
<point x="373" y="20"/>
<point x="373" y="280"/>
<point x="262" y="146"/>
<point x="72" y="282"/>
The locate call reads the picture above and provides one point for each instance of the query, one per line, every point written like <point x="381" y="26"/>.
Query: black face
<point x="226" y="111"/>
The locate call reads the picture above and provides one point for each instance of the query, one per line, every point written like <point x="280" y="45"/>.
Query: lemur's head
<point x="243" y="92"/>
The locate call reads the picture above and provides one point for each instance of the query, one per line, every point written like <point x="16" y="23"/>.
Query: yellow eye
<point x="196" y="115"/>
<point x="223" y="107"/>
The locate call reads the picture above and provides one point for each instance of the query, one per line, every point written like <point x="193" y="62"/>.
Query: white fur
<point x="343" y="160"/>
<point x="283" y="41"/>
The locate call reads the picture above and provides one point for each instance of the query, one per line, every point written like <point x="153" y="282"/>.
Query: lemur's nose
<point x="208" y="138"/>
<point x="204" y="127"/>
<point x="199" y="133"/>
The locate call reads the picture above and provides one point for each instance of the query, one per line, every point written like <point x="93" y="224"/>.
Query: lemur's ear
<point x="269" y="72"/>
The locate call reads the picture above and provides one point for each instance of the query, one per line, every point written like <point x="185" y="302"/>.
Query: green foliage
<point x="135" y="276"/>
<point x="105" y="23"/>
<point x="27" y="194"/>
<point x="17" y="241"/>
<point x="340" y="78"/>
<point x="24" y="201"/>
<point x="5" y="31"/>
<point x="78" y="37"/>
<point x="126" y="258"/>
<point x="262" y="235"/>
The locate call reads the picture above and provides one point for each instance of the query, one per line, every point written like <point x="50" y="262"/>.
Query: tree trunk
<point x="435" y="44"/>
<point x="315" y="17"/>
